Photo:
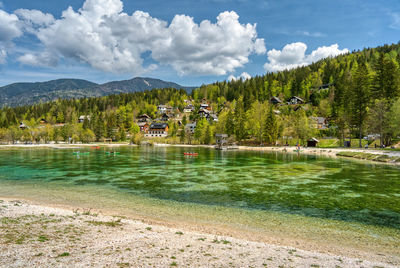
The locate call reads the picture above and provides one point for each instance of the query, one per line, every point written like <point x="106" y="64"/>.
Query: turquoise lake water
<point x="305" y="185"/>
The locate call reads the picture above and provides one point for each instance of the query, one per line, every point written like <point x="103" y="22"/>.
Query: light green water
<point x="317" y="187"/>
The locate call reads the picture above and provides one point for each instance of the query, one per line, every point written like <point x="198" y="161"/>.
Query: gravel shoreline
<point x="45" y="236"/>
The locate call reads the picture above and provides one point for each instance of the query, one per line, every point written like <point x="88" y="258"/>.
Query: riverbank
<point x="48" y="236"/>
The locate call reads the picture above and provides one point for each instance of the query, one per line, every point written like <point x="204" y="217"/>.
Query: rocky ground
<point x="41" y="236"/>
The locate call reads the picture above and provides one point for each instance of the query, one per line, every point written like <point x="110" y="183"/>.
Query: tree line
<point x="358" y="93"/>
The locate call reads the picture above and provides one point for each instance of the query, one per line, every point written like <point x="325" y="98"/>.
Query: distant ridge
<point x="18" y="94"/>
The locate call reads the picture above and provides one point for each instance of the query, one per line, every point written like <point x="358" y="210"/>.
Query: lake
<point x="311" y="186"/>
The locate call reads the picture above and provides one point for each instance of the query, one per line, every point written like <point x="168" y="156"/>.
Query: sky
<point x="190" y="42"/>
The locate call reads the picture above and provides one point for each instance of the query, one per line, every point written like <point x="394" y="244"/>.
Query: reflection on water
<point x="305" y="185"/>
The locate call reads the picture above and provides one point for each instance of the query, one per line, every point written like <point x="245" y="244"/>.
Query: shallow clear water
<point x="306" y="185"/>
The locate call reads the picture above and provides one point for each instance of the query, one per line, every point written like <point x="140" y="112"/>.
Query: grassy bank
<point x="369" y="156"/>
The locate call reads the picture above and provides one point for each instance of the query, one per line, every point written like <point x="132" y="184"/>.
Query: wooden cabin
<point x="313" y="142"/>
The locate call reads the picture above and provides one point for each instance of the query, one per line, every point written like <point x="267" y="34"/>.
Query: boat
<point x="188" y="153"/>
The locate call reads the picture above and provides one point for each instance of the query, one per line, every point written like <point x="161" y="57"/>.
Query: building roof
<point x="313" y="139"/>
<point x="158" y="125"/>
<point x="319" y="119"/>
<point x="191" y="125"/>
<point x="275" y="99"/>
<point x="82" y="117"/>
<point x="144" y="116"/>
<point x="142" y="124"/>
<point x="164" y="106"/>
<point x="204" y="111"/>
<point x="298" y="98"/>
<point x="190" y="106"/>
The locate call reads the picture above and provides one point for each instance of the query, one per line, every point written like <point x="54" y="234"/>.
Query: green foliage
<point x="271" y="128"/>
<point x="358" y="93"/>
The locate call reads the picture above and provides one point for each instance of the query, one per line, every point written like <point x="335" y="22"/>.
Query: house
<point x="190" y="127"/>
<point x="165" y="117"/>
<point x="313" y="142"/>
<point x="203" y="112"/>
<point x="319" y="122"/>
<point x="144" y="118"/>
<point x="144" y="126"/>
<point x="22" y="126"/>
<point x="205" y="106"/>
<point x="208" y="115"/>
<point x="189" y="108"/>
<point x="163" y="109"/>
<point x="43" y="121"/>
<point x="275" y="100"/>
<point x="83" y="117"/>
<point x="157" y="130"/>
<point x="295" y="100"/>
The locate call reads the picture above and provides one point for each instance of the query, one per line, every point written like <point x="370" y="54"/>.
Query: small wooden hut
<point x="313" y="142"/>
<point x="221" y="141"/>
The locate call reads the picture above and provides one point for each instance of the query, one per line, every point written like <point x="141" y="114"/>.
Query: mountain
<point x="18" y="94"/>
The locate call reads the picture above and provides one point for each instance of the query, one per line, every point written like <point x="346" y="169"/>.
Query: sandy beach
<point x="46" y="236"/>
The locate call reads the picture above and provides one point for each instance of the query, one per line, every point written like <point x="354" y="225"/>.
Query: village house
<point x="190" y="127"/>
<point x="275" y="100"/>
<point x="163" y="109"/>
<point x="83" y="117"/>
<point x="165" y="117"/>
<point x="157" y="130"/>
<point x="144" y="118"/>
<point x="295" y="100"/>
<point x="319" y="122"/>
<point x="205" y="106"/>
<point x="144" y="126"/>
<point x="189" y="109"/>
<point x="144" y="122"/>
<point x="203" y="112"/>
<point x="208" y="115"/>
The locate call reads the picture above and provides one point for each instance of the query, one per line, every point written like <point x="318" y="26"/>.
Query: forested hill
<point x="354" y="96"/>
<point x="29" y="93"/>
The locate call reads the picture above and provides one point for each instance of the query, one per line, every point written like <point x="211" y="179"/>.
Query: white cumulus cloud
<point x="243" y="76"/>
<point x="9" y="29"/>
<point x="294" y="55"/>
<point x="32" y="19"/>
<point x="103" y="36"/>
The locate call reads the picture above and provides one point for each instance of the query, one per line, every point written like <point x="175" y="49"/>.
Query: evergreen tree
<point x="360" y="98"/>
<point x="240" y="120"/>
<point x="271" y="128"/>
<point x="207" y="135"/>
<point x="230" y="124"/>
